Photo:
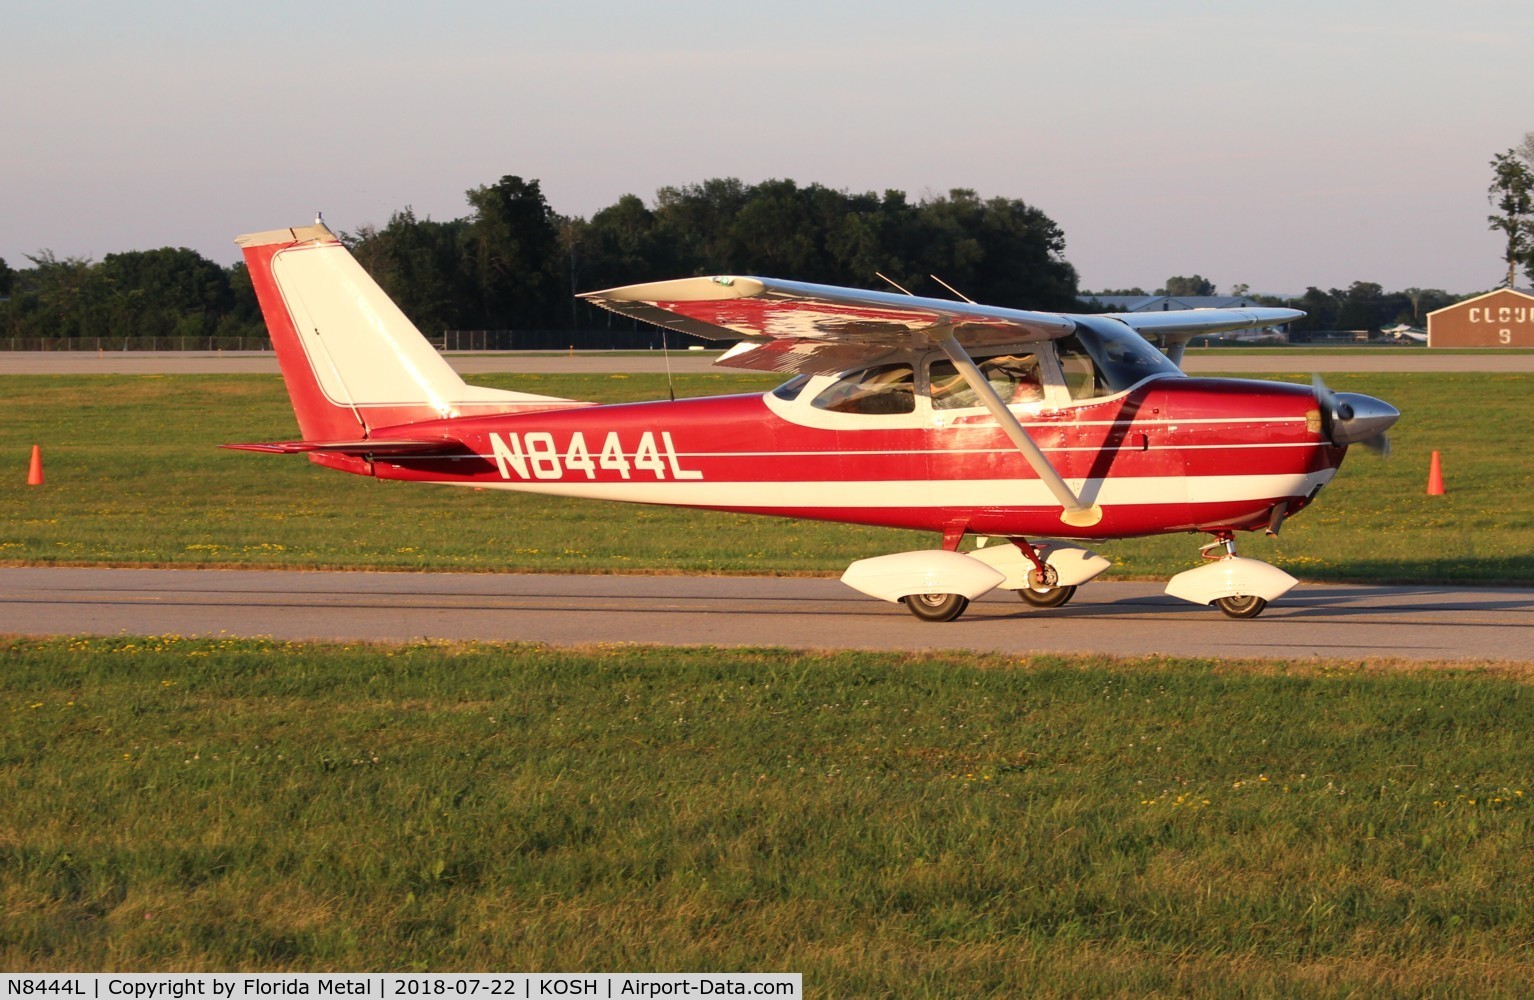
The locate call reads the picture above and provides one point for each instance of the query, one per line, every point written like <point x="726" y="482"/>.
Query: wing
<point x="1183" y="324"/>
<point x="794" y="326"/>
<point x="1173" y="328"/>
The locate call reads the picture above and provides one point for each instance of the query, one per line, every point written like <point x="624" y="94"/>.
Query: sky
<point x="1272" y="145"/>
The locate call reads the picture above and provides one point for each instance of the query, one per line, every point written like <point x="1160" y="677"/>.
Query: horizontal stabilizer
<point x="361" y="447"/>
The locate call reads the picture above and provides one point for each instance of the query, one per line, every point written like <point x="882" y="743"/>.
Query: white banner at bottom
<point x="396" y="986"/>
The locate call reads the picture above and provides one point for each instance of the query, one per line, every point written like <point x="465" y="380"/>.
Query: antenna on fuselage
<point x="952" y="289"/>
<point x="895" y="284"/>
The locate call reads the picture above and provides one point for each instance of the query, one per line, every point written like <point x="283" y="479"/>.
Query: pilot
<point x="1016" y="378"/>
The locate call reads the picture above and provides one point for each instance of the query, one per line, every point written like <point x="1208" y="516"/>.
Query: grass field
<point x="888" y="825"/>
<point x="135" y="478"/>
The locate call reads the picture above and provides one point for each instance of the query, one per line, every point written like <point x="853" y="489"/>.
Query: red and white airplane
<point x="1020" y="428"/>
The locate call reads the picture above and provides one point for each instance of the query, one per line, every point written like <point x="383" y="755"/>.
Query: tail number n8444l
<point x="536" y="455"/>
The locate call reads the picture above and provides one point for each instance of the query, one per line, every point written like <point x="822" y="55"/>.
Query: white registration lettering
<point x="612" y="457"/>
<point x="537" y="455"/>
<point x="647" y="456"/>
<point x="677" y="472"/>
<point x="511" y="455"/>
<point x="578" y="458"/>
<point x="542" y="455"/>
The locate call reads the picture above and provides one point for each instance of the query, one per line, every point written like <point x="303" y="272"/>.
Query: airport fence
<point x="448" y="340"/>
<point x="135" y="344"/>
<point x="643" y="339"/>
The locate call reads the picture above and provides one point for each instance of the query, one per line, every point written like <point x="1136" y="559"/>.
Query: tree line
<point x="513" y="263"/>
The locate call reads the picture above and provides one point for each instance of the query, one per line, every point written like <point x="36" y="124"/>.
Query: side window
<point x="1082" y="376"/>
<point x="1015" y="377"/>
<point x="881" y="389"/>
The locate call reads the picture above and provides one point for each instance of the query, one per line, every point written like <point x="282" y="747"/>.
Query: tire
<point x="936" y="607"/>
<point x="1048" y="597"/>
<point x="1241" y="607"/>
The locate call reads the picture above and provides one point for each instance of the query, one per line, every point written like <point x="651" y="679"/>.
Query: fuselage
<point x="1168" y="454"/>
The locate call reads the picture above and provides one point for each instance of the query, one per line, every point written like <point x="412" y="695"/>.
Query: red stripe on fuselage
<point x="1166" y="429"/>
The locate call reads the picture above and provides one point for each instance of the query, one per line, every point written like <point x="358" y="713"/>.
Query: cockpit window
<point x="1015" y="377"/>
<point x="881" y="389"/>
<point x="789" y="391"/>
<point x="1106" y="357"/>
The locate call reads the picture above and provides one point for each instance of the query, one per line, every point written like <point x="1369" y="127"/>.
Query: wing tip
<point x="710" y="288"/>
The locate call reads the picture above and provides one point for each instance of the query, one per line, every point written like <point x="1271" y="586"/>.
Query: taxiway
<point x="1413" y="623"/>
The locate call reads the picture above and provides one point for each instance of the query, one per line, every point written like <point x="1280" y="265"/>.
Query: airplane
<point x="1033" y="432"/>
<point x="1405" y="334"/>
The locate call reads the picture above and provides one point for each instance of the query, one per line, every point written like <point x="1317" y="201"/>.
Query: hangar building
<point x="1504" y="318"/>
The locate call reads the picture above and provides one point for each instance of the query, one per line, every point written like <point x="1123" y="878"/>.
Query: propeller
<point x="1349" y="418"/>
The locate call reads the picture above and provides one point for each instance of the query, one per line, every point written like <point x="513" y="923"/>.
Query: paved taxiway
<point x="1133" y="619"/>
<point x="691" y="362"/>
<point x="1118" y="618"/>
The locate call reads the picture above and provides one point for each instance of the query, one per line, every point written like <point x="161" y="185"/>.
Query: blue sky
<point x="1276" y="145"/>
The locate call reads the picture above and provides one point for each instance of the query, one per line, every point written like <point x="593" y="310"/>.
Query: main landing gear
<point x="936" y="585"/>
<point x="936" y="607"/>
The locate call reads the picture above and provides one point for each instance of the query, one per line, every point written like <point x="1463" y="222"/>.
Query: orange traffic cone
<point x="35" y="473"/>
<point x="1435" y="477"/>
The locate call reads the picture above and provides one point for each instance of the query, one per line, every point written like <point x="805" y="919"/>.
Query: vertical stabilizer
<point x="351" y="360"/>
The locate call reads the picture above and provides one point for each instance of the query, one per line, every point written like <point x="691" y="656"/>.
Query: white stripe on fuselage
<point x="1112" y="492"/>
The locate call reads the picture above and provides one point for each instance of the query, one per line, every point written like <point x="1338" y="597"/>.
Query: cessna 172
<point x="1017" y="427"/>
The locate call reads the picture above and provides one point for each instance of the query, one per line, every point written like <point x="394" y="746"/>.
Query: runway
<point x="693" y="362"/>
<point x="1125" y="619"/>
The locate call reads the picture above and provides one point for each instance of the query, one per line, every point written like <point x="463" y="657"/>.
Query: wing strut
<point x="1076" y="513"/>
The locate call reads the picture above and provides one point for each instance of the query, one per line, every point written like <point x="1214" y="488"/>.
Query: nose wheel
<point x="1240" y="588"/>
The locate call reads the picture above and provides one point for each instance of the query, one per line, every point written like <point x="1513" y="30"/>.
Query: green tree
<point x="1362" y="305"/>
<point x="423" y="265"/>
<point x="7" y="278"/>
<point x="515" y="256"/>
<point x="620" y="246"/>
<point x="1512" y="194"/>
<point x="1426" y="300"/>
<point x="1180" y="286"/>
<point x="172" y="291"/>
<point x="697" y="223"/>
<point x="57" y="298"/>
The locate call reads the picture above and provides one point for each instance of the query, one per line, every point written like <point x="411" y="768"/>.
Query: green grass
<point x="888" y="825"/>
<point x="135" y="478"/>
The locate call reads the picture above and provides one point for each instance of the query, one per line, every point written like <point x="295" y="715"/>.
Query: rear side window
<point x="881" y="389"/>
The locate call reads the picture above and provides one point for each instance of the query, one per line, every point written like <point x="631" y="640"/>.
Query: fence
<point x="449" y="340"/>
<point x="647" y="339"/>
<point x="135" y="344"/>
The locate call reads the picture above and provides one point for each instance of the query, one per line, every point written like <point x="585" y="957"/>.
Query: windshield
<point x="1104" y="356"/>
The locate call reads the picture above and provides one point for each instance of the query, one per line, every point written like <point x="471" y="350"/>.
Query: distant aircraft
<point x="1020" y="428"/>
<point x="1403" y="332"/>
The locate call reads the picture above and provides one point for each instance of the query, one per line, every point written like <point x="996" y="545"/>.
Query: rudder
<point x="352" y="361"/>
